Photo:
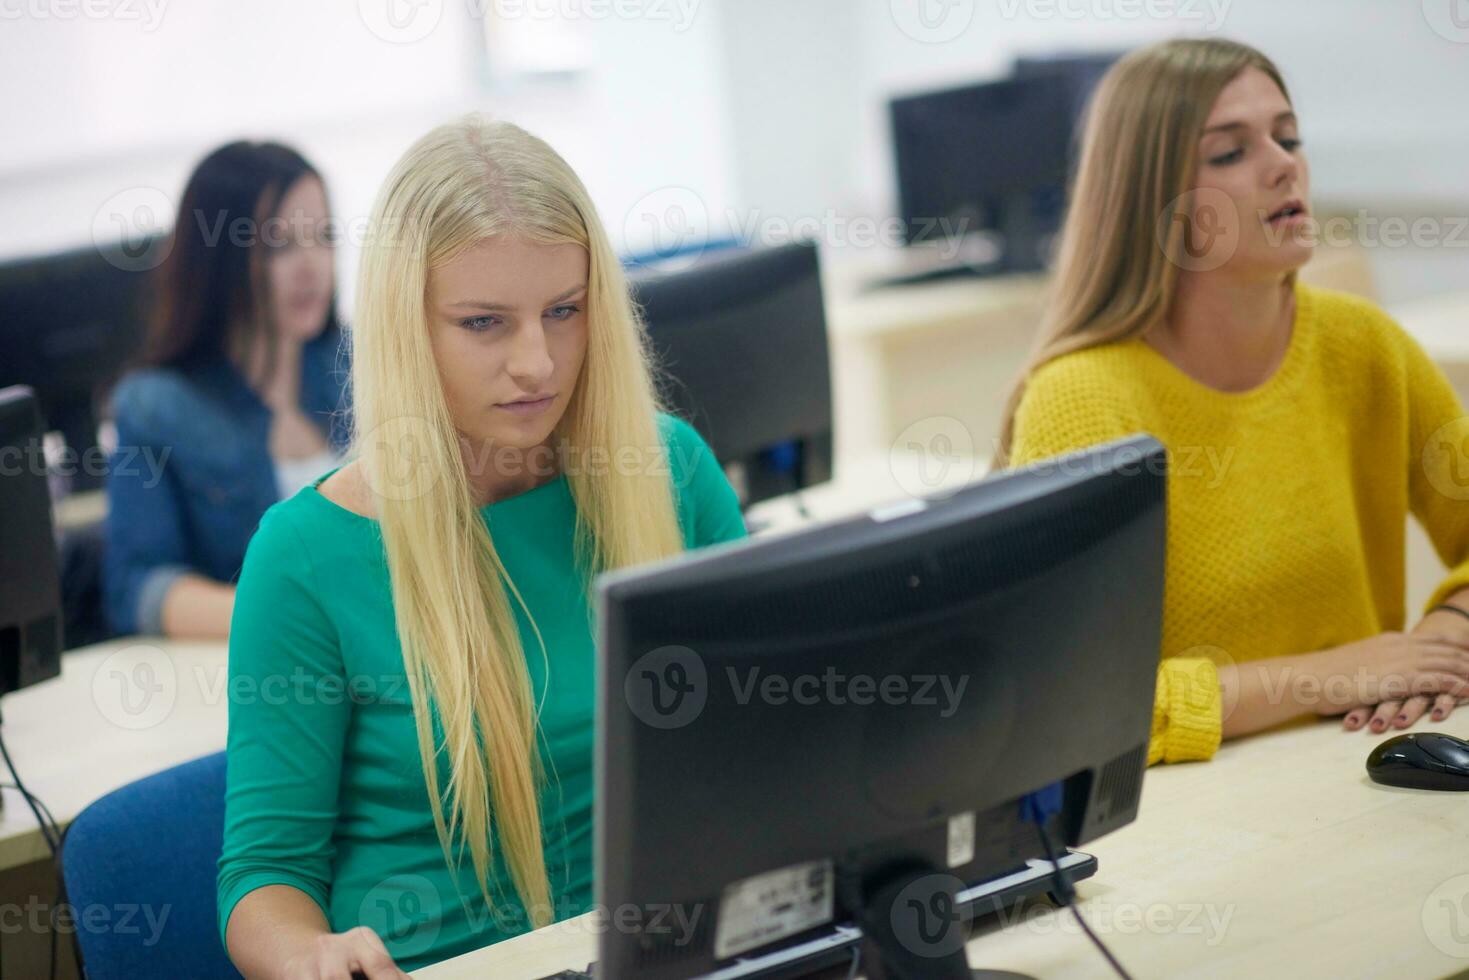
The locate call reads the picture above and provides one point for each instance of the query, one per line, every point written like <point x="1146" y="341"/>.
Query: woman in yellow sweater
<point x="1303" y="426"/>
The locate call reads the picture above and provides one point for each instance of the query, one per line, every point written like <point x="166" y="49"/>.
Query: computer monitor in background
<point x="30" y="590"/>
<point x="991" y="156"/>
<point x="790" y="728"/>
<point x="741" y="349"/>
<point x="68" y="324"/>
<point x="1082" y="73"/>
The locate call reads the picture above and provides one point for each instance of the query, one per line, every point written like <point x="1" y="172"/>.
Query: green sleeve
<point x="288" y="717"/>
<point x="708" y="509"/>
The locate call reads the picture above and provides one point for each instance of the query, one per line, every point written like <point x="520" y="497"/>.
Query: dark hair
<point x="212" y="281"/>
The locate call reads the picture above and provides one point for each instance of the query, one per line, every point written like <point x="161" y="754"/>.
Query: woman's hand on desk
<point x="1447" y="626"/>
<point x="342" y="956"/>
<point x="1391" y="679"/>
<point x="1357" y="679"/>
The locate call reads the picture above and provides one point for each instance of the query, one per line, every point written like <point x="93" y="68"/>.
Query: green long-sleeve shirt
<point x="325" y="784"/>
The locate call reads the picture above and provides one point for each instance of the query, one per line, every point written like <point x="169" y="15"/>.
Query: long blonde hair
<point x="1116" y="270"/>
<point x="462" y="183"/>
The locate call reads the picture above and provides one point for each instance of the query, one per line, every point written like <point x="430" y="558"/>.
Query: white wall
<point x="695" y="110"/>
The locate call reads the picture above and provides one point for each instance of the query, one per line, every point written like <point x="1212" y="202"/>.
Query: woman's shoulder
<point x="1352" y="328"/>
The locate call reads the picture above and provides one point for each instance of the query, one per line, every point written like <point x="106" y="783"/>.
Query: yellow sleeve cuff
<point x="1458" y="580"/>
<point x="1187" y="709"/>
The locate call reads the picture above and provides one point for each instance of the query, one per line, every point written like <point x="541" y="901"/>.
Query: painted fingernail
<point x="1401" y="718"/>
<point x="1438" y="715"/>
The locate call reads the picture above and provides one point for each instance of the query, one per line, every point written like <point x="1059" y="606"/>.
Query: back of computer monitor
<point x="30" y="602"/>
<point x="992" y="155"/>
<point x="829" y="704"/>
<point x="740" y="346"/>
<point x="69" y="322"/>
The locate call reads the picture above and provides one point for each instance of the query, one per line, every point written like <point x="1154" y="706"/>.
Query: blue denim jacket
<point x="192" y="474"/>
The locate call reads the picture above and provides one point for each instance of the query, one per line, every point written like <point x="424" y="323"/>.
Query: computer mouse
<point x="1421" y="760"/>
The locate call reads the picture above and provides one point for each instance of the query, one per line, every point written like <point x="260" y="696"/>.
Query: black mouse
<point x="1421" y="760"/>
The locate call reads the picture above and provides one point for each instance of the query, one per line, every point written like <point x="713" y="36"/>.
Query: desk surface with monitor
<point x="1278" y="858"/>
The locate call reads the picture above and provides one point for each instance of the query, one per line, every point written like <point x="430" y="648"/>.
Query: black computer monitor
<point x="787" y="707"/>
<point x="30" y="590"/>
<point x="741" y="349"/>
<point x="1082" y="73"/>
<point x="69" y="322"/>
<point x="990" y="156"/>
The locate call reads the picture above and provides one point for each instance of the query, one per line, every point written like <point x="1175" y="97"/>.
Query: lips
<point x="1289" y="209"/>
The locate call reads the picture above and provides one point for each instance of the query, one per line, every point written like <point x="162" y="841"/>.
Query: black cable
<point x="52" y="842"/>
<point x="1067" y="893"/>
<point x="51" y="832"/>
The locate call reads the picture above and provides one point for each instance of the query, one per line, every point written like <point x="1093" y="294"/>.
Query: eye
<point x="1224" y="160"/>
<point x="564" y="312"/>
<point x="479" y="324"/>
<point x="1290" y="143"/>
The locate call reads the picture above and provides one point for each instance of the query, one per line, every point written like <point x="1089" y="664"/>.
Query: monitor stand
<point x="915" y="927"/>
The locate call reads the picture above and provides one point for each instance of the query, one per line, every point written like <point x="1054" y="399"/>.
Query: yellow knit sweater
<point x="1288" y="503"/>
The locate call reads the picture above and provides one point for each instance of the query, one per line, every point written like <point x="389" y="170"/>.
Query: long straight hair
<point x="462" y="183"/>
<point x="1121" y="246"/>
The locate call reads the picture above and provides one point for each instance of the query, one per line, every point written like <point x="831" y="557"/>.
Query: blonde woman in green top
<point x="415" y="627"/>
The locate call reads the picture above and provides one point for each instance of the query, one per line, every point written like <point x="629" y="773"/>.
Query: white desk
<point x="1278" y="858"/>
<point x="119" y="711"/>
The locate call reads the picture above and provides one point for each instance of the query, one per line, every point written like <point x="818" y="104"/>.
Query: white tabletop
<point x="1279" y="858"/>
<point x="119" y="711"/>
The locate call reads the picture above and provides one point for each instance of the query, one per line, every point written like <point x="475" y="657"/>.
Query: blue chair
<point x="150" y="847"/>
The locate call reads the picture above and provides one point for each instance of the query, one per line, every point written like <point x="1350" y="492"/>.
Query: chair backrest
<point x="140" y="868"/>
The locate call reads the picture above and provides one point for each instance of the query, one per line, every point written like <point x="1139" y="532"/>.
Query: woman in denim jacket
<point x="238" y="394"/>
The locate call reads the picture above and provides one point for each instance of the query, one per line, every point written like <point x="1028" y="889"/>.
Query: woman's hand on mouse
<point x="1391" y="679"/>
<point x="342" y="956"/>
